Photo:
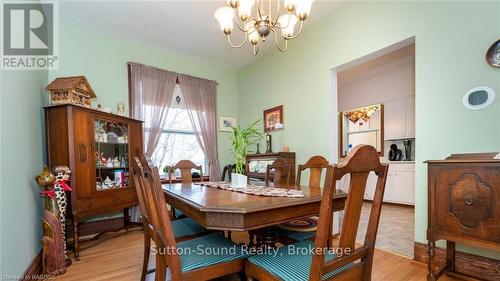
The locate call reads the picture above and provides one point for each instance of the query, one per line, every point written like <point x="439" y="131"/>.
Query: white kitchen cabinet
<point x="388" y="187"/>
<point x="399" y="186"/>
<point x="394" y="119"/>
<point x="371" y="184"/>
<point x="410" y="117"/>
<point x="399" y="118"/>
<point x="403" y="184"/>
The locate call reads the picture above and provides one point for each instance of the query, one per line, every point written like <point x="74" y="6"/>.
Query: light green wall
<point x="451" y="41"/>
<point x="21" y="151"/>
<point x="102" y="59"/>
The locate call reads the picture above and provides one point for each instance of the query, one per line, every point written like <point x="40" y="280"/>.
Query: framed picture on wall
<point x="273" y="119"/>
<point x="226" y="123"/>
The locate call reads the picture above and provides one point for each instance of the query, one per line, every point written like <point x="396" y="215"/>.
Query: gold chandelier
<point x="265" y="20"/>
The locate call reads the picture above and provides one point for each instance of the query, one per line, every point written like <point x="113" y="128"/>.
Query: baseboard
<point x="34" y="269"/>
<point x="465" y="263"/>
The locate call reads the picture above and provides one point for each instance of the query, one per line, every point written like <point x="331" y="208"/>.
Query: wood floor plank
<point x="120" y="258"/>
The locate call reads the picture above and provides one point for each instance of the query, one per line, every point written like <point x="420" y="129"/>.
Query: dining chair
<point x="282" y="172"/>
<point x="228" y="170"/>
<point x="186" y="167"/>
<point x="292" y="232"/>
<point x="299" y="262"/>
<point x="202" y="258"/>
<point x="183" y="229"/>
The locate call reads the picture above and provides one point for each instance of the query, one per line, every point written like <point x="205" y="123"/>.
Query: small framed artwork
<point x="226" y="123"/>
<point x="273" y="119"/>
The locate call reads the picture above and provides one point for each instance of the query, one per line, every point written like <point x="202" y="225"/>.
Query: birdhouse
<point x="73" y="90"/>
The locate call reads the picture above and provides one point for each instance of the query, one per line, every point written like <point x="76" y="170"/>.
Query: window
<point x="178" y="140"/>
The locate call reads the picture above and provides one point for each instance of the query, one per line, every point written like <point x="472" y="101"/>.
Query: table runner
<point x="256" y="190"/>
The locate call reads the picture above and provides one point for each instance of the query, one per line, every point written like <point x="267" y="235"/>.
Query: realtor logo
<point x="29" y="31"/>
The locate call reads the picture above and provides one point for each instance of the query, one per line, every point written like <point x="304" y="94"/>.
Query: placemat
<point x="256" y="190"/>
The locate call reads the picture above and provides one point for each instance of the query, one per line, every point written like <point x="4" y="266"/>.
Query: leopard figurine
<point x="62" y="174"/>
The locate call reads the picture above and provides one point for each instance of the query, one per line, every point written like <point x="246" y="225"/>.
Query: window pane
<point x="174" y="147"/>
<point x="178" y="119"/>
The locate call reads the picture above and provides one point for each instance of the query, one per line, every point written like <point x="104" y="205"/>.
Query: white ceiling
<point x="185" y="26"/>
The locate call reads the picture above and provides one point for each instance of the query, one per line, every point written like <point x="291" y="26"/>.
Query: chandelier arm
<point x="297" y="34"/>
<point x="238" y="25"/>
<point x="259" y="8"/>
<point x="275" y="23"/>
<point x="276" y="42"/>
<point x="239" y="45"/>
<point x="271" y="10"/>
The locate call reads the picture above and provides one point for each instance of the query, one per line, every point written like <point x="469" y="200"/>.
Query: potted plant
<point x="242" y="139"/>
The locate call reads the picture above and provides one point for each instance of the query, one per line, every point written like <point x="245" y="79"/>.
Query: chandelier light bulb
<point x="225" y="17"/>
<point x="303" y="8"/>
<point x="233" y="3"/>
<point x="253" y="36"/>
<point x="289" y="5"/>
<point x="287" y="24"/>
<point x="245" y="9"/>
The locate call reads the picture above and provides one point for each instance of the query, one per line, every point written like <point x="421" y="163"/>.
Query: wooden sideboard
<point x="74" y="136"/>
<point x="464" y="206"/>
<point x="256" y="164"/>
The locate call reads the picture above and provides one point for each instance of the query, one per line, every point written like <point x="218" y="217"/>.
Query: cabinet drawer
<point x="114" y="199"/>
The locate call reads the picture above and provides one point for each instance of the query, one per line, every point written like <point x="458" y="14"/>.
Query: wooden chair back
<point x="226" y="172"/>
<point x="316" y="165"/>
<point x="362" y="160"/>
<point x="163" y="234"/>
<point x="138" y="178"/>
<point x="186" y="167"/>
<point x="282" y="172"/>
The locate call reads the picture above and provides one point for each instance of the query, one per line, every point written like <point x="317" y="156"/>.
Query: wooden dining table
<point x="224" y="210"/>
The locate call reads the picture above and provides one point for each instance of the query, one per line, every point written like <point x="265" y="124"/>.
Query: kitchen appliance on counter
<point x="407" y="145"/>
<point x="395" y="154"/>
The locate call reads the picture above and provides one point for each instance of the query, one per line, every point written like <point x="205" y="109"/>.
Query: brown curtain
<point x="200" y="97"/>
<point x="151" y="92"/>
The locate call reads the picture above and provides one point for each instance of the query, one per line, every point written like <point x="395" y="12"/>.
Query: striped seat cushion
<point x="208" y="250"/>
<point x="292" y="262"/>
<point x="186" y="227"/>
<point x="297" y="235"/>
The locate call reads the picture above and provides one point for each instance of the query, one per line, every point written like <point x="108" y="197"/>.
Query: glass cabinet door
<point x="259" y="165"/>
<point x="111" y="154"/>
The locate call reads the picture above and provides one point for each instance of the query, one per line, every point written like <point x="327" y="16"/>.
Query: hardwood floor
<point x="119" y="257"/>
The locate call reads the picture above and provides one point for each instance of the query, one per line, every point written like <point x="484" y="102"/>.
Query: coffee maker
<point x="407" y="145"/>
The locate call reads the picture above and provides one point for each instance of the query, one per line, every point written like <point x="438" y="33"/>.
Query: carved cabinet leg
<point x="430" y="265"/>
<point x="450" y="255"/>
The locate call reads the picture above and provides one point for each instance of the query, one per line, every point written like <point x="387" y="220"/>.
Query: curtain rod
<point x="177" y="80"/>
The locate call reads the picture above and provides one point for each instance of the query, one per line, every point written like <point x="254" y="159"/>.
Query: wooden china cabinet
<point x="98" y="148"/>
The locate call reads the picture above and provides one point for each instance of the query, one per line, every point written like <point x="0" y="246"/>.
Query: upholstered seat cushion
<point x="208" y="250"/>
<point x="297" y="235"/>
<point x="292" y="262"/>
<point x="179" y="214"/>
<point x="186" y="227"/>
